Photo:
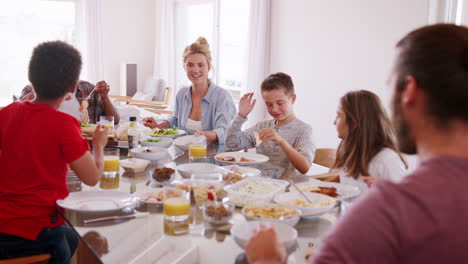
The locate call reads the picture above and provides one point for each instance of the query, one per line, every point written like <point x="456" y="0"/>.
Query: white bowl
<point x="134" y="165"/>
<point x="184" y="142"/>
<point x="156" y="153"/>
<point x="328" y="202"/>
<point x="285" y="234"/>
<point x="186" y="170"/>
<point x="165" y="142"/>
<point x="290" y="220"/>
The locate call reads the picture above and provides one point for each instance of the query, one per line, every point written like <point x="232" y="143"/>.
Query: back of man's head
<point x="54" y="68"/>
<point x="437" y="57"/>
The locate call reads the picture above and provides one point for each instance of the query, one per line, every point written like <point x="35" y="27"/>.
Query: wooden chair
<point x="326" y="157"/>
<point x="36" y="259"/>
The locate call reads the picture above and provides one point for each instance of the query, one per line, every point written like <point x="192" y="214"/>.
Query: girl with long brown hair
<point x="368" y="150"/>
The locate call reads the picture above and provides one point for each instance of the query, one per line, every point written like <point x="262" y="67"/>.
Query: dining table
<point x="139" y="232"/>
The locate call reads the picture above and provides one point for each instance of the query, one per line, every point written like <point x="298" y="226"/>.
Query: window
<point x="224" y="23"/>
<point x="24" y="24"/>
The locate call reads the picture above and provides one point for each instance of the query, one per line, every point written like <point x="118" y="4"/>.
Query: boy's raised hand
<point x="246" y="104"/>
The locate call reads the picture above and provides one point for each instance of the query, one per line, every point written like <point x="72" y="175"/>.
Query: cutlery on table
<point x="115" y="218"/>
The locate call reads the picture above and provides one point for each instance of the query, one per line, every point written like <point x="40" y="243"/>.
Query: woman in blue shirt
<point x="203" y="108"/>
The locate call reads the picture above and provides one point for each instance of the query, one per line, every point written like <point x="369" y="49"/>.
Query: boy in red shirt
<point x="37" y="143"/>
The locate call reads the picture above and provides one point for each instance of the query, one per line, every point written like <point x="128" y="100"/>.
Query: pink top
<point x="423" y="219"/>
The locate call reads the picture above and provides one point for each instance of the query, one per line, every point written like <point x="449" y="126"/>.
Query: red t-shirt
<point x="422" y="219"/>
<point x="36" y="144"/>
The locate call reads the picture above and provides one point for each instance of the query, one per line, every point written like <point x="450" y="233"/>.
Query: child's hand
<point x="246" y="104"/>
<point x="369" y="180"/>
<point x="269" y="134"/>
<point x="263" y="247"/>
<point x="100" y="136"/>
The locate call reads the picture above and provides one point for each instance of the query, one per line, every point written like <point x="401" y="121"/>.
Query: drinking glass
<point x="107" y="121"/>
<point x="197" y="148"/>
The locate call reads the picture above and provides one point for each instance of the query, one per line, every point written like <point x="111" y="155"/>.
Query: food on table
<point x="302" y="203"/>
<point x="258" y="141"/>
<point x="258" y="187"/>
<point x="134" y="164"/>
<point x="161" y="195"/>
<point x="242" y="159"/>
<point x="203" y="193"/>
<point x="165" y="131"/>
<point x="330" y="191"/>
<point x="88" y="129"/>
<point x="232" y="177"/>
<point x="162" y="174"/>
<point x="226" y="158"/>
<point x="217" y="212"/>
<point x="154" y="140"/>
<point x="147" y="150"/>
<point x="269" y="211"/>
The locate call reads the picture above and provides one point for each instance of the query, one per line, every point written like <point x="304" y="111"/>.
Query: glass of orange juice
<point x="197" y="148"/>
<point x="111" y="160"/>
<point x="176" y="209"/>
<point x="107" y="121"/>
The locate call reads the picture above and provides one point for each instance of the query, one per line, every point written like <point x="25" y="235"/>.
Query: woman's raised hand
<point x="150" y="122"/>
<point x="246" y="104"/>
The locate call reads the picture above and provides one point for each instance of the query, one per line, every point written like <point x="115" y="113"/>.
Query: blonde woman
<point x="203" y="108"/>
<point x="368" y="150"/>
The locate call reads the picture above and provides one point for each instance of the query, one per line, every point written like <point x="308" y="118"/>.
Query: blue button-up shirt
<point x="217" y="108"/>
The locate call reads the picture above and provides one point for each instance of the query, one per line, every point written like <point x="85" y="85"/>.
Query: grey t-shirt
<point x="297" y="133"/>
<point x="422" y="219"/>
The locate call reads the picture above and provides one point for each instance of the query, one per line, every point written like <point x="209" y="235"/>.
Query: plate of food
<point x="164" y="142"/>
<point x="184" y="142"/>
<point x="241" y="158"/>
<point x="254" y="190"/>
<point x="96" y="201"/>
<point x="335" y="190"/>
<point x="186" y="170"/>
<point x="88" y="129"/>
<point x="319" y="203"/>
<point x="167" y="132"/>
<point x="158" y="195"/>
<point x="273" y="213"/>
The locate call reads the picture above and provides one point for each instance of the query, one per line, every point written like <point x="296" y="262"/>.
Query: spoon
<point x="300" y="191"/>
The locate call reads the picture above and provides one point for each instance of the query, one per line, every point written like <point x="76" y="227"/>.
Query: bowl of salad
<point x="167" y="132"/>
<point x="164" y="142"/>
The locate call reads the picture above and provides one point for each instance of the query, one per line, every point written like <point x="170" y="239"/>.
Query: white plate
<point x="345" y="191"/>
<point x="181" y="132"/>
<point x="248" y="171"/>
<point x="96" y="201"/>
<point x="153" y="192"/>
<point x="258" y="158"/>
<point x="156" y="153"/>
<point x="186" y="170"/>
<point x="184" y="142"/>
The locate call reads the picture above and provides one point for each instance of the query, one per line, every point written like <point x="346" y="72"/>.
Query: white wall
<point x="128" y="35"/>
<point x="331" y="47"/>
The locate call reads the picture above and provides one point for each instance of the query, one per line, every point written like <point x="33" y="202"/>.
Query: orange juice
<point x="197" y="151"/>
<point x="111" y="163"/>
<point x="177" y="206"/>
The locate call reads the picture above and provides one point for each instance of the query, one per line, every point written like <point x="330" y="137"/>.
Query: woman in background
<point x="368" y="149"/>
<point x="203" y="108"/>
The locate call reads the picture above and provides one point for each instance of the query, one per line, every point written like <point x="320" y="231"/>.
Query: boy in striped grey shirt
<point x="286" y="140"/>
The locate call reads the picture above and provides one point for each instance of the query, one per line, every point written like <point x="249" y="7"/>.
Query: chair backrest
<point x="36" y="259"/>
<point x="325" y="157"/>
